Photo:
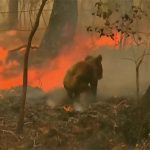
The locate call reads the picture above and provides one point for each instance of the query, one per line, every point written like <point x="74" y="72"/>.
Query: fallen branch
<point x="20" y="47"/>
<point x="10" y="132"/>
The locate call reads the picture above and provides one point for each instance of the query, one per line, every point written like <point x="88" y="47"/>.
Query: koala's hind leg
<point x="94" y="88"/>
<point x="70" y="94"/>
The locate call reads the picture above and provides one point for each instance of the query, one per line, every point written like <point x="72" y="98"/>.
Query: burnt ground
<point x="112" y="124"/>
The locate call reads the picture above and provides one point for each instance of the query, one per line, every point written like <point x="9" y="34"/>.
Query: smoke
<point x="35" y="95"/>
<point x="119" y="73"/>
<point x="59" y="97"/>
<point x="56" y="97"/>
<point x="119" y="78"/>
<point x="47" y="73"/>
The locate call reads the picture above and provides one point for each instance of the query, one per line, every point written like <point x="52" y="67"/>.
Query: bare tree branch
<point x="21" y="47"/>
<point x="142" y="56"/>
<point x="140" y="60"/>
<point x="25" y="71"/>
<point x="130" y="59"/>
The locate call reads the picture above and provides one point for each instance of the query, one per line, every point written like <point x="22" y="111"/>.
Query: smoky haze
<point x="119" y="73"/>
<point x="119" y="78"/>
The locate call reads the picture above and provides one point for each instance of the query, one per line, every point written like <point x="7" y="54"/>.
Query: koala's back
<point x="79" y="73"/>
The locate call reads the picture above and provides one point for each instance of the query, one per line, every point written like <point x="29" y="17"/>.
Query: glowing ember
<point x="68" y="108"/>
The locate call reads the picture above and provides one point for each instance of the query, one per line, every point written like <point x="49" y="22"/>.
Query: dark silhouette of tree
<point x="123" y="24"/>
<point x="25" y="71"/>
<point x="138" y="62"/>
<point x="61" y="27"/>
<point x="13" y="14"/>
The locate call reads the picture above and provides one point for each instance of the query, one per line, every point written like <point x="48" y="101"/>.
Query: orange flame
<point x="11" y="33"/>
<point x="51" y="76"/>
<point x="3" y="54"/>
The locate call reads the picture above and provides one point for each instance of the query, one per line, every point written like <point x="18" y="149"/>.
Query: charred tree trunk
<point x="147" y="94"/>
<point x="61" y="27"/>
<point x="25" y="72"/>
<point x="145" y="101"/>
<point x="13" y="14"/>
<point x="137" y="83"/>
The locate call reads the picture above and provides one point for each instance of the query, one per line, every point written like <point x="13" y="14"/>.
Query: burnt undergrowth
<point x="117" y="123"/>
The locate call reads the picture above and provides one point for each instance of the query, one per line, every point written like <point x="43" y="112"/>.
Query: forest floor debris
<point x="112" y="124"/>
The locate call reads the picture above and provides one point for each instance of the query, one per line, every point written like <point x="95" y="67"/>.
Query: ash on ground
<point x="116" y="123"/>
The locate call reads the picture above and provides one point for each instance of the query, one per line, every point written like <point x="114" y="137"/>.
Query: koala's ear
<point x="99" y="59"/>
<point x="88" y="58"/>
